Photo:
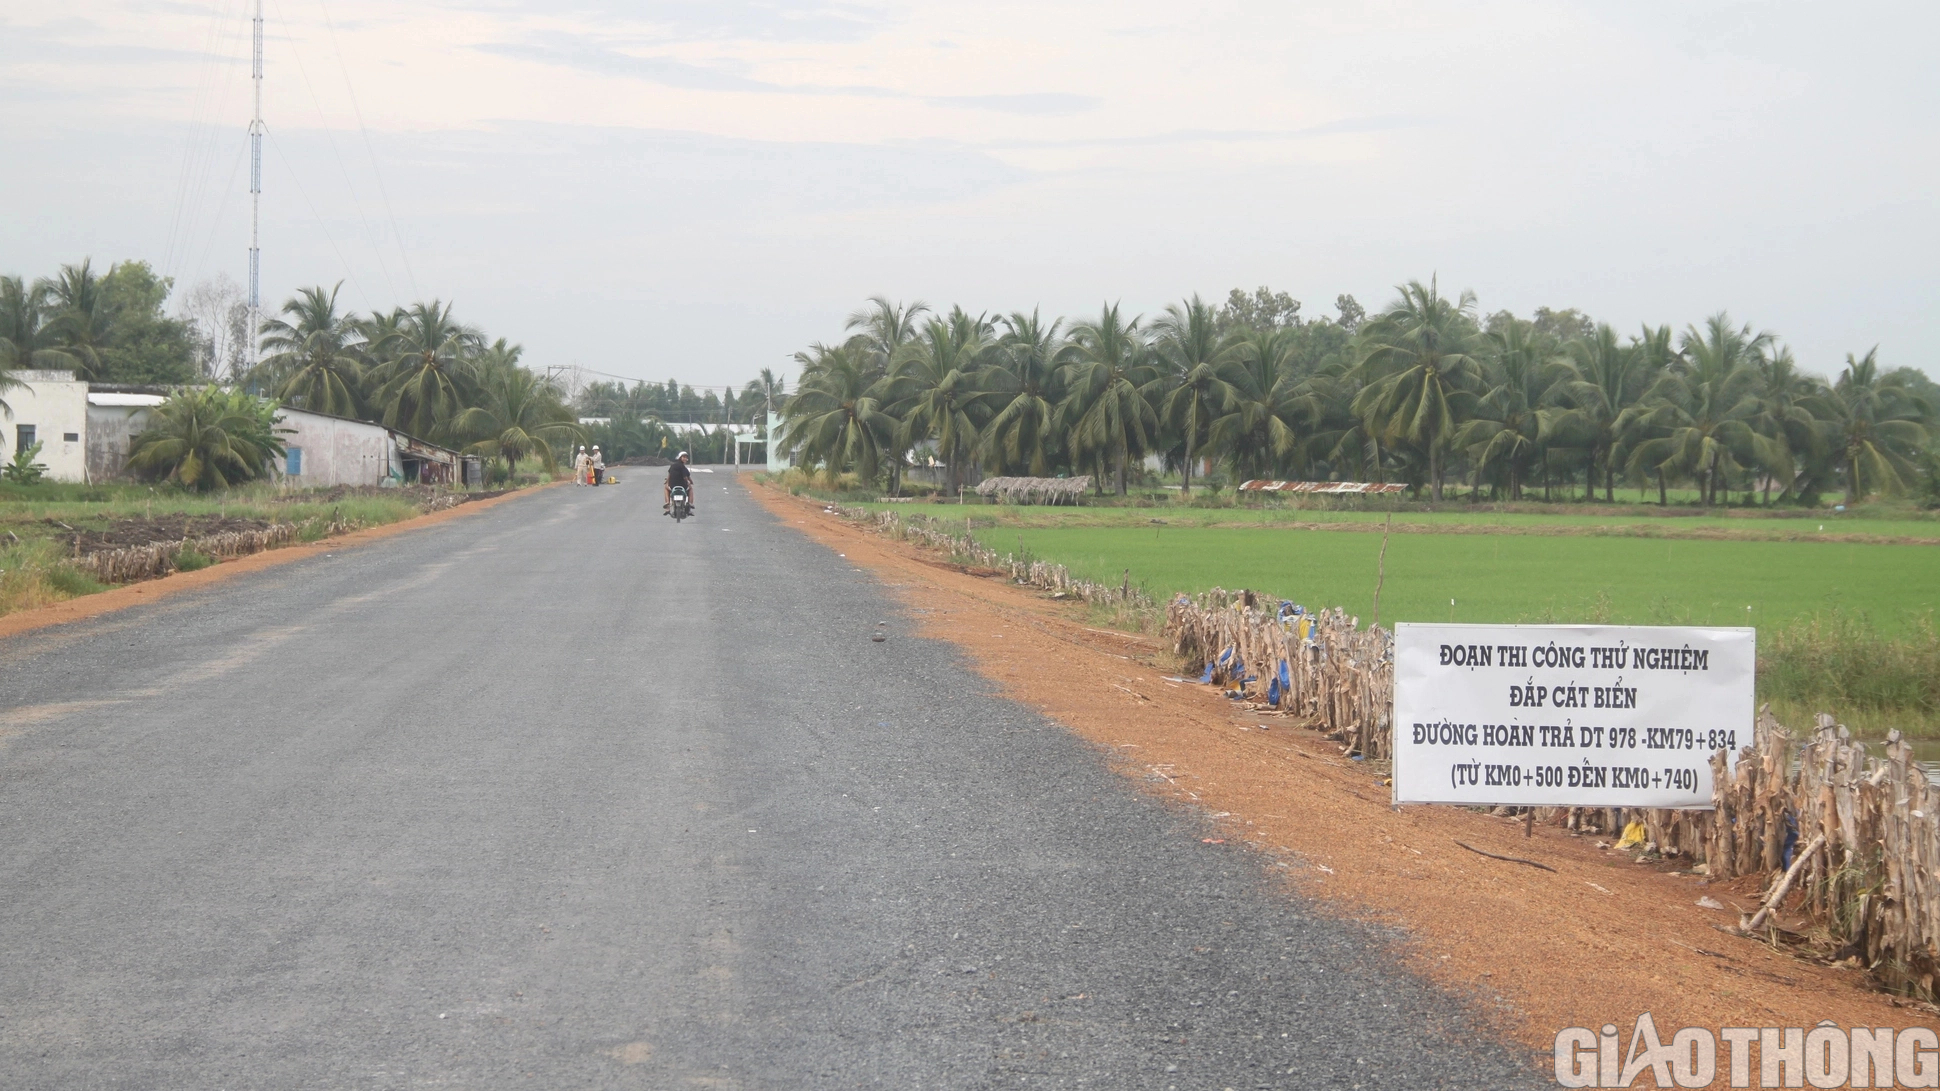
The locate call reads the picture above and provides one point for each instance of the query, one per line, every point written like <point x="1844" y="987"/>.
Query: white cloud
<point x="567" y="167"/>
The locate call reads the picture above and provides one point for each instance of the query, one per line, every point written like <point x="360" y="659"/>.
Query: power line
<point x="342" y="167"/>
<point x="383" y="192"/>
<point x="323" y="230"/>
<point x="193" y="153"/>
<point x="206" y="133"/>
<point x="228" y="196"/>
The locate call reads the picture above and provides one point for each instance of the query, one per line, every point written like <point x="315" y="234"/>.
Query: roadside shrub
<point x="188" y="560"/>
<point x="207" y="439"/>
<point x="23" y="470"/>
<point x="71" y="582"/>
<point x="1837" y="660"/>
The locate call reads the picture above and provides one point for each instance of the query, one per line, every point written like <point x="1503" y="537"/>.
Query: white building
<point x="49" y="408"/>
<point x="321" y="450"/>
<point x="86" y="435"/>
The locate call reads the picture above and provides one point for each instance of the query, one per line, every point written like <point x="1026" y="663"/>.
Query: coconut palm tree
<point x="834" y="418"/>
<point x="79" y="318"/>
<point x="1337" y="438"/>
<point x="934" y="388"/>
<point x="429" y="368"/>
<point x="314" y="360"/>
<point x="497" y="358"/>
<point x="881" y="329"/>
<point x="207" y="439"/>
<point x="26" y="340"/>
<point x="764" y="392"/>
<point x="1608" y="380"/>
<point x="1519" y="379"/>
<point x="1702" y="409"/>
<point x="519" y="414"/>
<point x="1190" y="391"/>
<point x="1785" y="397"/>
<point x="1106" y="369"/>
<point x="1420" y="361"/>
<point x="23" y="333"/>
<point x="1643" y="420"/>
<point x="1258" y="425"/>
<point x="1875" y="427"/>
<point x="1022" y="378"/>
<point x="884" y="328"/>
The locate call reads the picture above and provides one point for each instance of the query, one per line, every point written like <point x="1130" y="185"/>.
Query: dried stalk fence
<point x="142" y="562"/>
<point x="1042" y="575"/>
<point x="1034" y="490"/>
<point x="1868" y="828"/>
<point x="1322" y="667"/>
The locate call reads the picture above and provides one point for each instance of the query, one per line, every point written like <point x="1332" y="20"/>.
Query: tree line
<point x="635" y="420"/>
<point x="681" y="403"/>
<point x="415" y="368"/>
<point x="107" y="327"/>
<point x="1427" y="392"/>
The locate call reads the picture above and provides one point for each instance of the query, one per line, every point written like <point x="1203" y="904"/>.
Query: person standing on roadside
<point x="580" y="464"/>
<point x="599" y="466"/>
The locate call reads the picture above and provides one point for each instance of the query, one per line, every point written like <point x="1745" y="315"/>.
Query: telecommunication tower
<point x="255" y="183"/>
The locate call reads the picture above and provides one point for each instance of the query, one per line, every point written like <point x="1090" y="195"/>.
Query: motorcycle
<point x="679" y="506"/>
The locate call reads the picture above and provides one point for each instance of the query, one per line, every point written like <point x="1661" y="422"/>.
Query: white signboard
<point x="1567" y="715"/>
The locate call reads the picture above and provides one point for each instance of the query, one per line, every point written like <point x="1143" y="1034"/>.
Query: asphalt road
<point x="562" y="795"/>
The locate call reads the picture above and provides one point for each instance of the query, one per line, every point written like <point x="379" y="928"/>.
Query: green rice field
<point x="1624" y="522"/>
<point x="1511" y="577"/>
<point x="1845" y="617"/>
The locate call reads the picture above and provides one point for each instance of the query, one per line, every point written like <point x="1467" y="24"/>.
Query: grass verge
<point x="44" y="527"/>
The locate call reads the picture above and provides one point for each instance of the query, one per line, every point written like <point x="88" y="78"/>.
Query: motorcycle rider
<point x="677" y="474"/>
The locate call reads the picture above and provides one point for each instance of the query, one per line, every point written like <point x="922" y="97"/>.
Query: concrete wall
<point x="55" y="405"/>
<point x="111" y="429"/>
<point x="337" y="451"/>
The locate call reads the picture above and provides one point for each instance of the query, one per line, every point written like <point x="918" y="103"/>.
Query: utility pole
<point x="255" y="186"/>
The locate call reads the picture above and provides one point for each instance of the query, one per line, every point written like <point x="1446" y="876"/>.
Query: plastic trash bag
<point x="1633" y="835"/>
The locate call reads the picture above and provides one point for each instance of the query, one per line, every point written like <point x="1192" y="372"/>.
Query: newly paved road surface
<point x="561" y="795"/>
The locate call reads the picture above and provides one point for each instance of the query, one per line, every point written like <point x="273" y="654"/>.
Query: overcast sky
<point x="696" y="188"/>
